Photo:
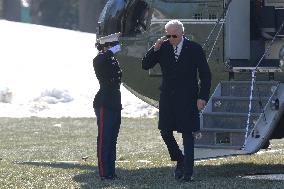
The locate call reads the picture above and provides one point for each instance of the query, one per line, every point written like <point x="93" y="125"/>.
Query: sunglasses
<point x="173" y="36"/>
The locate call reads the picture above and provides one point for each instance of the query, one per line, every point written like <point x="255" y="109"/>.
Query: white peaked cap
<point x="108" y="38"/>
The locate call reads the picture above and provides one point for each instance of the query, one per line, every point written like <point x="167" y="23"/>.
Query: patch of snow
<point x="48" y="72"/>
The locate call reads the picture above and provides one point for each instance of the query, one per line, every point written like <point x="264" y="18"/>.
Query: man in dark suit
<point x="182" y="62"/>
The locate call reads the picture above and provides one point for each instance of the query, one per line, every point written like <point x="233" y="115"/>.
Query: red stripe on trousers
<point x="101" y="140"/>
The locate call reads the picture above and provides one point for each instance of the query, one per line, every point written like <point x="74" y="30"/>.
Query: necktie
<point x="176" y="53"/>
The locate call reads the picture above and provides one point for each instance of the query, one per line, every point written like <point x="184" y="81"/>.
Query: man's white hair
<point x="175" y="23"/>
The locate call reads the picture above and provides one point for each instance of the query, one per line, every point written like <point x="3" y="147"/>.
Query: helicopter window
<point x="212" y="16"/>
<point x="198" y="16"/>
<point x="136" y="18"/>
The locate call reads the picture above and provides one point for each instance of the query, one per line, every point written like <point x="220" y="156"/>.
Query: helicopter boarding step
<point x="224" y="119"/>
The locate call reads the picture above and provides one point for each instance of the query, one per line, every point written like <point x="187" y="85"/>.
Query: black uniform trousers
<point x="108" y="121"/>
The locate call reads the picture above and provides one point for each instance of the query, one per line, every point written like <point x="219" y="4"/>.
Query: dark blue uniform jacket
<point x="109" y="75"/>
<point x="179" y="89"/>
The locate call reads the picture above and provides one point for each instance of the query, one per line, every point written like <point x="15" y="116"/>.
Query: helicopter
<point x="243" y="41"/>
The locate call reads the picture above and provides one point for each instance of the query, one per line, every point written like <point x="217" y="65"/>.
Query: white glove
<point x="115" y="49"/>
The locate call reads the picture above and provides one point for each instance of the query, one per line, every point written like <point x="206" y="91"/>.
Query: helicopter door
<point x="253" y="46"/>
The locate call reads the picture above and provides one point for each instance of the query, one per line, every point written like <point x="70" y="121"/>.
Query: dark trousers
<point x="176" y="153"/>
<point x="108" y="127"/>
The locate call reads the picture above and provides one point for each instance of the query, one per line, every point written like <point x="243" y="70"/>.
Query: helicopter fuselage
<point x="240" y="42"/>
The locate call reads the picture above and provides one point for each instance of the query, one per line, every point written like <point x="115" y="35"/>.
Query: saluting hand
<point x="158" y="43"/>
<point x="115" y="49"/>
<point x="200" y="104"/>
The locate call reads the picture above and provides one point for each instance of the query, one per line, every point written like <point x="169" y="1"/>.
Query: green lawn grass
<point x="47" y="153"/>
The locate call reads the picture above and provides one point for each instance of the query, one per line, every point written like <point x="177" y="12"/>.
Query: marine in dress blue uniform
<point x="107" y="106"/>
<point x="182" y="61"/>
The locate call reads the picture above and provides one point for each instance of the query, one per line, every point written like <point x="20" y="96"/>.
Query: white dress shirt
<point x="179" y="46"/>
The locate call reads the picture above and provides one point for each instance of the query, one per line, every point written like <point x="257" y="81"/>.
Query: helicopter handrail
<point x="218" y="35"/>
<point x="225" y="11"/>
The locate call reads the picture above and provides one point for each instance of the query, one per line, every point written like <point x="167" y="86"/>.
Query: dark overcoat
<point x="109" y="75"/>
<point x="179" y="88"/>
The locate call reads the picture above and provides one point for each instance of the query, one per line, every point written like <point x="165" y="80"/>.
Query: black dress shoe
<point x="187" y="179"/>
<point x="111" y="177"/>
<point x="179" y="170"/>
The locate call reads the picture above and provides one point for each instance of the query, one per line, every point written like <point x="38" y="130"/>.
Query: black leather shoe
<point x="179" y="170"/>
<point x="112" y="177"/>
<point x="187" y="179"/>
